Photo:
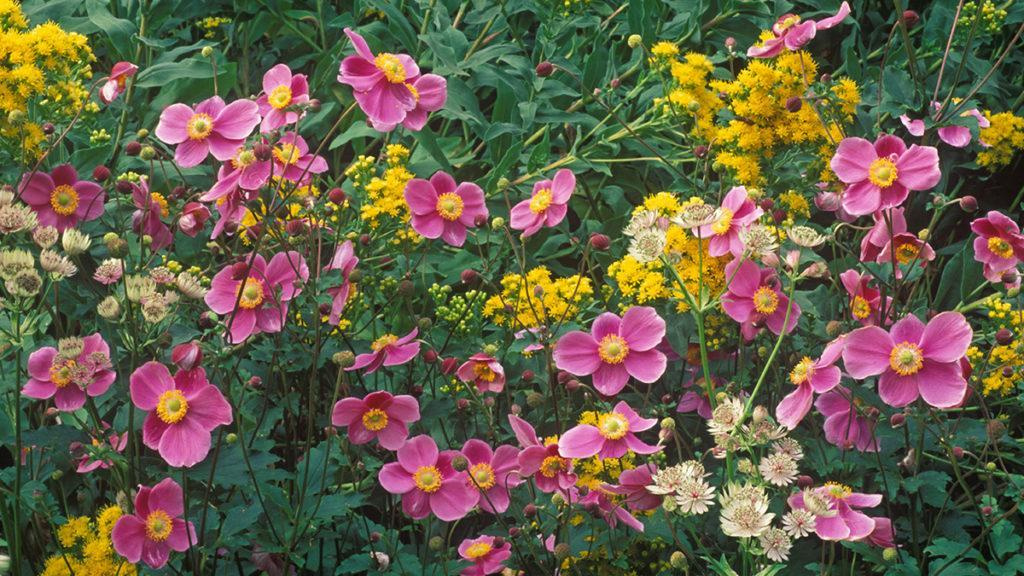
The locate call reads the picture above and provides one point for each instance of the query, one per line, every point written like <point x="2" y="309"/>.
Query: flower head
<point x="379" y="415"/>
<point x="845" y="424"/>
<point x="999" y="246"/>
<point x="736" y="214"/>
<point x="282" y="92"/>
<point x="69" y="375"/>
<point x="491" y="472"/>
<point x="810" y="377"/>
<point x="211" y="127"/>
<point x="388" y="350"/>
<point x="612" y="436"/>
<point x="486" y="555"/>
<point x="551" y="472"/>
<point x="835" y="509"/>
<point x="345" y="261"/>
<point x="790" y="32"/>
<point x="882" y="174"/>
<point x="151" y="209"/>
<point x="547" y="206"/>
<point x="117" y="80"/>
<point x="754" y="298"/>
<point x="60" y="199"/>
<point x="427" y="482"/>
<point x="156" y="527"/>
<point x="443" y="209"/>
<point x="484" y="371"/>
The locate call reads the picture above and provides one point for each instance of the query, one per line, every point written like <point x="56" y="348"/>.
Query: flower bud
<point x="969" y="204"/>
<point x="497" y="223"/>
<point x="207" y="51"/>
<point x="207" y="320"/>
<point x="460" y="463"/>
<point x="897" y="419"/>
<point x="534" y="399"/>
<point x="572" y="384"/>
<point x="527" y="375"/>
<point x="804" y="481"/>
<point x="562" y="551"/>
<point x="187" y="356"/>
<point x="600" y="242"/>
<point x="794" y="104"/>
<point x="634" y="40"/>
<point x="462" y="404"/>
<point x="995" y="429"/>
<point x="436" y="543"/>
<point x="700" y="151"/>
<point x="530" y="510"/>
<point x="429" y="355"/>
<point x="337" y="195"/>
<point x="231" y="438"/>
<point x="132" y="148"/>
<point x="1004" y="337"/>
<point x="833" y="327"/>
<point x="1010" y="277"/>
<point x="448" y="365"/>
<point x="544" y="69"/>
<point x="469" y="276"/>
<point x="147" y="153"/>
<point x="416" y="390"/>
<point x="910" y="18"/>
<point x="514" y="531"/>
<point x="100" y="173"/>
<point x="344" y="358"/>
<point x="364" y="239"/>
<point x="49" y="128"/>
<point x="678" y="559"/>
<point x="890" y="554"/>
<point x="958" y="452"/>
<point x="986" y="510"/>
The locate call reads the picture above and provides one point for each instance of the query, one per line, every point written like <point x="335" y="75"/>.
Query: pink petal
<point x="173" y="125"/>
<point x="610" y="379"/>
<point x="237" y="120"/>
<point x="398" y="355"/>
<point x="956" y="136"/>
<point x="418" y="451"/>
<point x="477" y="451"/>
<point x="421" y="196"/>
<point x="209" y="409"/>
<point x="148" y="382"/>
<point x="183" y="535"/>
<point x="153" y="430"/>
<point x="581" y="441"/>
<point x="915" y="127"/>
<point x="416" y="504"/>
<point x="862" y="198"/>
<point x="393" y="436"/>
<point x="918" y="168"/>
<point x="898" y="391"/>
<point x="167" y="496"/>
<point x="453" y="500"/>
<point x="39" y="389"/>
<point x="942" y="385"/>
<point x="795" y="406"/>
<point x="279" y="75"/>
<point x="946" y="337"/>
<point x="127" y="537"/>
<point x="831" y="528"/>
<point x="433" y="92"/>
<point x="40" y="362"/>
<point x="852" y="159"/>
<point x="576" y="353"/>
<point x="404" y="408"/>
<point x="69" y="398"/>
<point x="606" y="323"/>
<point x="184" y="444"/>
<point x="908" y="329"/>
<point x="395" y="479"/>
<point x="826" y="23"/>
<point x="800" y="34"/>
<point x="867" y="352"/>
<point x="642" y="328"/>
<point x="646" y="366"/>
<point x="191" y="153"/>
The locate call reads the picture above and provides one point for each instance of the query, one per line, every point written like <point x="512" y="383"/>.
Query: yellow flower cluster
<point x="662" y="53"/>
<point x="1003" y="138"/>
<point x="210" y="24"/>
<point x="690" y="96"/>
<point x="86" y="549"/>
<point x="385" y="192"/>
<point x="795" y="205"/>
<point x="1002" y="367"/>
<point x="537" y="299"/>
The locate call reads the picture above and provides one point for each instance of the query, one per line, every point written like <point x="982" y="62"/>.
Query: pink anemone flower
<point x="810" y="377"/>
<point x="484" y="371"/>
<point x="952" y="134"/>
<point x="547" y="206"/>
<point x="117" y="80"/>
<point x="443" y="209"/>
<point x="551" y="472"/>
<point x="156" y="527"/>
<point x="865" y="301"/>
<point x="914" y="359"/>
<point x="427" y="482"/>
<point x="909" y="250"/>
<point x="599" y="502"/>
<point x="754" y="298"/>
<point x="835" y="510"/>
<point x="879" y="236"/>
<point x="492" y="473"/>
<point x="292" y="160"/>
<point x="790" y="33"/>
<point x="431" y="92"/>
<point x="281" y="91"/>
<point x="182" y="412"/>
<point x="613" y="435"/>
<point x="256" y="297"/>
<point x="486" y="554"/>
<point x="735" y="215"/>
<point x="379" y="415"/>
<point x="388" y="350"/>
<point x="60" y="199"/>
<point x="244" y="170"/>
<point x="345" y="261"/>
<point x="999" y="245"/>
<point x="98" y="453"/>
<point x="633" y="487"/>
<point x="193" y="218"/>
<point x="212" y="127"/>
<point x="151" y="209"/>
<point x="881" y="175"/>
<point x="883" y="536"/>
<point x="380" y="82"/>
<point x="615" y="349"/>
<point x="70" y="373"/>
<point x="845" y="426"/>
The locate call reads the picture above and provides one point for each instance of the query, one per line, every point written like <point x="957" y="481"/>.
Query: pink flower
<point x="427" y="481"/>
<point x="443" y="209"/>
<point x="615" y="349"/>
<point x="883" y="536"/>
<point x="486" y="553"/>
<point x="491" y="473"/>
<point x="193" y="218"/>
<point x="881" y="175"/>
<point x="754" y="298"/>
<point x="388" y="350"/>
<point x="839" y="519"/>
<point x="483" y="370"/>
<point x="379" y="415"/>
<point x="187" y="355"/>
<point x="952" y="134"/>
<point x="547" y="206"/>
<point x="864" y="300"/>
<point x="156" y="527"/>
<point x="736" y="214"/>
<point x="293" y="161"/>
<point x="844" y="426"/>
<point x="431" y="92"/>
<point x="380" y="83"/>
<point x="999" y="245"/>
<point x="60" y="199"/>
<point x="914" y="359"/>
<point x="212" y="127"/>
<point x="613" y="436"/>
<point x="98" y="453"/>
<point x="791" y="34"/>
<point x="598" y="502"/>
<point x="344" y="260"/>
<point x="281" y="92"/>
<point x="633" y="486"/>
<point x="182" y="412"/>
<point x="244" y="170"/>
<point x="909" y="249"/>
<point x="879" y="236"/>
<point x="232" y="210"/>
<point x="551" y="472"/>
<point x="809" y="377"/>
<point x="151" y="207"/>
<point x="115" y="83"/>
<point x="257" y="298"/>
<point x="69" y="374"/>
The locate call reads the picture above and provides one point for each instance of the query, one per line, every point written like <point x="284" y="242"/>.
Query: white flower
<point x="648" y="245"/>
<point x="798" y="523"/>
<point x="695" y="496"/>
<point x="790" y="447"/>
<point x="776" y="544"/>
<point x="778" y="469"/>
<point x="746" y="519"/>
<point x="726" y="417"/>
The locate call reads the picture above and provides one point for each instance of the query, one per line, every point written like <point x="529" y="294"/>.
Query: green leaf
<point x="161" y="74"/>
<point x="119" y="31"/>
<point x="930" y="485"/>
<point x="428" y="140"/>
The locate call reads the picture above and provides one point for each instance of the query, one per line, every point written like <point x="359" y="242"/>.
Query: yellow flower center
<point x="613" y="425"/>
<point x="280" y="97"/>
<point x="906" y="358"/>
<point x="427" y="479"/>
<point x="199" y="126"/>
<point x="907" y="252"/>
<point x="375" y="420"/>
<point x="244" y="158"/>
<point x="997" y="246"/>
<point x="482" y="476"/>
<point x="478" y="550"/>
<point x="551" y="466"/>
<point x="60" y="374"/>
<point x="724" y="222"/>
<point x="449" y="206"/>
<point x="803" y="370"/>
<point x="157" y="197"/>
<point x="837" y="490"/>
<point x="171" y="407"/>
<point x="158" y="526"/>
<point x="613" y="349"/>
<point x="415" y="92"/>
<point x="882" y="172"/>
<point x="766" y="301"/>
<point x="287" y="153"/>
<point x="540" y="201"/>
<point x="483" y="371"/>
<point x="64" y="200"/>
<point x="391" y="66"/>
<point x="860" y="307"/>
<point x="789" y="22"/>
<point x="383" y="342"/>
<point x="251" y="293"/>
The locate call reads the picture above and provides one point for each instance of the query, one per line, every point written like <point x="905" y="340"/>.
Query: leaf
<point x="119" y="31"/>
<point x="1005" y="539"/>
<point x="161" y="74"/>
<point x="960" y="277"/>
<point x="930" y="485"/>
<point x="428" y="140"/>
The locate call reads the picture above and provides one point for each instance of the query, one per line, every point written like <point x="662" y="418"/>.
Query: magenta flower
<point x="486" y="554"/>
<point x="212" y="127"/>
<point x="613" y="436"/>
<point x="914" y="359"/>
<point x="999" y="245"/>
<point x="293" y="161"/>
<point x="865" y="301"/>
<point x="244" y="170"/>
<point x="881" y="175"/>
<point x="491" y="473"/>
<point x="427" y="482"/>
<point x="754" y="298"/>
<point x="547" y="206"/>
<point x="790" y="33"/>
<point x="257" y="297"/>
<point x="380" y="83"/>
<point x="156" y="527"/>
<point x="845" y="426"/>
<point x="151" y="208"/>
<point x="443" y="209"/>
<point x="281" y="92"/>
<point x="883" y="536"/>
<point x="810" y="377"/>
<point x="483" y="370"/>
<point x="633" y="487"/>
<point x="431" y="92"/>
<point x="551" y="472"/>
<point x="70" y="373"/>
<point x="735" y="215"/>
<point x="98" y="453"/>
<point x="379" y="415"/>
<point x="182" y="412"/>
<point x="615" y="349"/>
<point x="952" y="134"/>
<point x="60" y="199"/>
<point x="600" y="503"/>
<point x="879" y="237"/>
<point x="345" y="261"/>
<point x="839" y="520"/>
<point x="115" y="83"/>
<point x="388" y="350"/>
<point x="909" y="249"/>
<point x="193" y="218"/>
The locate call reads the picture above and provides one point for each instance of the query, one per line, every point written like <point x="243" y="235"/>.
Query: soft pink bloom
<point x="492" y="473"/>
<point x="547" y="206"/>
<point x="633" y="486"/>
<point x="156" y="527"/>
<point x="379" y="415"/>
<point x="613" y="436"/>
<point x="69" y="379"/>
<point x="193" y="218"/>
<point x="427" y="482"/>
<point x="879" y="236"/>
<point x="828" y="200"/>
<point x="281" y="92"/>
<point x="754" y="298"/>
<point x="735" y="215"/>
<point x="483" y="370"/>
<point x="599" y="502"/>
<point x="98" y="453"/>
<point x="261" y="295"/>
<point x="810" y="377"/>
<point x="443" y="209"/>
<point x="187" y="355"/>
<point x="615" y="349"/>
<point x="345" y="261"/>
<point x="843" y="521"/>
<point x="60" y="199"/>
<point x="791" y="33"/>
<point x="486" y="554"/>
<point x="212" y="127"/>
<point x="151" y="208"/>
<point x="883" y="536"/>
<point x="115" y="83"/>
<point x="380" y="83"/>
<point x="431" y="92"/>
<point x="388" y="350"/>
<point x="845" y="426"/>
<point x="909" y="250"/>
<point x="292" y="160"/>
<point x="952" y="134"/>
<point x="914" y="359"/>
<point x="551" y="472"/>
<point x="881" y="175"/>
<point x="182" y="412"/>
<point x="696" y="398"/>
<point x="232" y="210"/>
<point x="244" y="170"/>
<point x="999" y="245"/>
<point x="865" y="301"/>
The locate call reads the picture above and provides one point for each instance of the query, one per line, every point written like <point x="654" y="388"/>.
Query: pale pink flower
<point x="388" y="350"/>
<point x="547" y="206"/>
<point x="791" y="33"/>
<point x="425" y="479"/>
<point x="881" y="175"/>
<point x="486" y="554"/>
<point x="256" y="297"/>
<point x="212" y="127"/>
<point x="754" y="298"/>
<point x="156" y="527"/>
<point x="551" y="472"/>
<point x="810" y="377"/>
<point x="612" y="437"/>
<point x="380" y="82"/>
<point x="282" y="92"/>
<point x="484" y="371"/>
<point x="379" y="415"/>
<point x="840" y="519"/>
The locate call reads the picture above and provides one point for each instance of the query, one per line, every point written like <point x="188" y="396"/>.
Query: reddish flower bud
<point x="794" y="104"/>
<point x="600" y="242"/>
<point x="615" y="83"/>
<point x="132" y="148"/>
<point x="193" y="218"/>
<point x="897" y="420"/>
<point x="462" y="404"/>
<point x="514" y="531"/>
<point x="364" y="239"/>
<point x="262" y="151"/>
<point x="969" y="204"/>
<point x="700" y="151"/>
<point x="100" y="173"/>
<point x="448" y="365"/>
<point x="804" y="481"/>
<point x="49" y="128"/>
<point x="958" y="452"/>
<point x="429" y="356"/>
<point x="187" y="356"/>
<point x="530" y="510"/>
<point x="469" y="276"/>
<point x="910" y="18"/>
<point x="572" y="385"/>
<point x="1004" y="337"/>
<point x="337" y="195"/>
<point x="123" y="186"/>
<point x="528" y="375"/>
<point x="206" y="321"/>
<point x="730" y="42"/>
<point x="778" y="216"/>
<point x="545" y="69"/>
<point x="416" y="390"/>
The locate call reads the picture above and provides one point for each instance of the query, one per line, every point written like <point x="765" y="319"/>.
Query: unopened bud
<point x="1004" y="337"/>
<point x="469" y="276"/>
<point x="890" y="554"/>
<point x="897" y="420"/>
<point x="529" y="510"/>
<point x="436" y="543"/>
<point x="344" y="358"/>
<point x="132" y="148"/>
<point x="958" y="452"/>
<point x="337" y="195"/>
<point x="448" y="365"/>
<point x="207" y="51"/>
<point x="544" y="69"/>
<point x="460" y="463"/>
<point x="969" y="204"/>
<point x="562" y="551"/>
<point x="462" y="404"/>
<point x="231" y="438"/>
<point x="804" y="481"/>
<point x="600" y="242"/>
<point x="100" y="173"/>
<point x="794" y="104"/>
<point x="678" y="559"/>
<point x="910" y="18"/>
<point x="263" y="151"/>
<point x="187" y="356"/>
<point x="147" y="153"/>
<point x="429" y="355"/>
<point x="497" y="223"/>
<point x="634" y="40"/>
<point x="534" y="399"/>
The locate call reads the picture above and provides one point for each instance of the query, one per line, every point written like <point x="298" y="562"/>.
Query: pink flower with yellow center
<point x="117" y="81"/>
<point x="956" y="135"/>
<point x="486" y="554"/>
<point x="69" y="376"/>
<point x="282" y="92"/>
<point x="909" y="250"/>
<point x="791" y="32"/>
<point x="156" y="527"/>
<point x="425" y="479"/>
<point x="60" y="199"/>
<point x="379" y="415"/>
<point x="292" y="160"/>
<point x="880" y="234"/>
<point x="443" y="209"/>
<point x="547" y="206"/>
<point x="492" y="473"/>
<point x="632" y="486"/>
<point x="846" y="424"/>
<point x="254" y="294"/>
<point x="150" y="210"/>
<point x="605" y="504"/>
<point x="865" y="300"/>
<point x="881" y="175"/>
<point x="810" y="377"/>
<point x="612" y="436"/>
<point x="754" y="299"/>
<point x="212" y="127"/>
<point x="484" y="371"/>
<point x="380" y="82"/>
<point x="388" y="350"/>
<point x="999" y="245"/>
<point x="835" y="507"/>
<point x="541" y="460"/>
<point x="736" y="214"/>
